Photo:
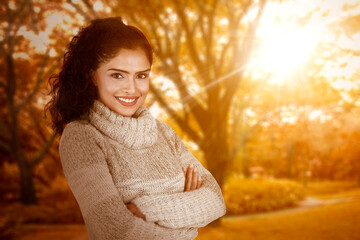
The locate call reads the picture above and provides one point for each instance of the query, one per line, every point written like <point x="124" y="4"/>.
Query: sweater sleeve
<point x="84" y="163"/>
<point x="185" y="209"/>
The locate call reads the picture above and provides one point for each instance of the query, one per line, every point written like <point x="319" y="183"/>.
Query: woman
<point x="130" y="173"/>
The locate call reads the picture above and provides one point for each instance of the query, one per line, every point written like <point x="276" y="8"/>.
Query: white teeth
<point x="126" y="100"/>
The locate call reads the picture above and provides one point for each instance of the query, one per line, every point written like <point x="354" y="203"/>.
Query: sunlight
<point x="319" y="115"/>
<point x="289" y="33"/>
<point x="283" y="51"/>
<point x="156" y="110"/>
<point x="284" y="44"/>
<point x="342" y="84"/>
<point x="98" y="6"/>
<point x="12" y="5"/>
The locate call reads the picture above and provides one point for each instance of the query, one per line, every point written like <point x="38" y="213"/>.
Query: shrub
<point x="243" y="196"/>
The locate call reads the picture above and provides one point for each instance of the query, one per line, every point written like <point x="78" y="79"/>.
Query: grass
<point x="338" y="221"/>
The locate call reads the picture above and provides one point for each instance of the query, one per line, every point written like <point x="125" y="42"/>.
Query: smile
<point x="128" y="100"/>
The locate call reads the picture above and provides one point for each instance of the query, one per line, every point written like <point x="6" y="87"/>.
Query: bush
<point x="243" y="196"/>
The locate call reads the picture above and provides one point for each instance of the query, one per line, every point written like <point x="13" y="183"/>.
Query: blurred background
<point x="265" y="93"/>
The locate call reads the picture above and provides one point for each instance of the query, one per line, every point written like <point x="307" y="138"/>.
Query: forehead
<point x="128" y="59"/>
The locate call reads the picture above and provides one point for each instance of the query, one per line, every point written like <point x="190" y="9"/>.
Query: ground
<point x="331" y="211"/>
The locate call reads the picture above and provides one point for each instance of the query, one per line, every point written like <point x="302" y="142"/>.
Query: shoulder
<point x="78" y="133"/>
<point x="80" y="128"/>
<point x="80" y="145"/>
<point x="165" y="129"/>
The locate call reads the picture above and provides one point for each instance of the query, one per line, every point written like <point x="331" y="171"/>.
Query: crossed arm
<point x="196" y="207"/>
<point x="192" y="182"/>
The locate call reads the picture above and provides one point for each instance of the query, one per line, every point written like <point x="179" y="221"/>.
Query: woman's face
<point x="123" y="81"/>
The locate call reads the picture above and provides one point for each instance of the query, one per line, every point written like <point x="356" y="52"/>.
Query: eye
<point x="117" y="75"/>
<point x="142" y="75"/>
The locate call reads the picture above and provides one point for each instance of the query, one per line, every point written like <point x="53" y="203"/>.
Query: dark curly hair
<point x="73" y="91"/>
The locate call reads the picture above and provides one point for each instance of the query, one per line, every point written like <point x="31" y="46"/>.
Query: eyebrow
<point x="120" y="70"/>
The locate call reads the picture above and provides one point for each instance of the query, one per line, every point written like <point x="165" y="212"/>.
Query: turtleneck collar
<point x="136" y="132"/>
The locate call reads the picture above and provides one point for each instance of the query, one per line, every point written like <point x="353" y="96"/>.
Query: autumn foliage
<point x="244" y="196"/>
<point x="227" y="77"/>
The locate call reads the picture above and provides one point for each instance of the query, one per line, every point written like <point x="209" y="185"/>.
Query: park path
<point x="78" y="232"/>
<point x="307" y="203"/>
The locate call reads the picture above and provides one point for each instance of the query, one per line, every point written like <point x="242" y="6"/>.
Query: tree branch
<point x="234" y="22"/>
<point x="87" y="17"/>
<point x="90" y="8"/>
<point x="33" y="18"/>
<point x="247" y="46"/>
<point x="23" y="17"/>
<point x="189" y="40"/>
<point x="245" y="136"/>
<point x="173" y="73"/>
<point x="14" y="14"/>
<point x="4" y="147"/>
<point x="39" y="80"/>
<point x="210" y="34"/>
<point x="43" y="151"/>
<point x="232" y="41"/>
<point x="2" y="85"/>
<point x="4" y="130"/>
<point x="184" y="125"/>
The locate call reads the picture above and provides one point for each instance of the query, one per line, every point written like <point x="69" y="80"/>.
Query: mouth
<point x="127" y="101"/>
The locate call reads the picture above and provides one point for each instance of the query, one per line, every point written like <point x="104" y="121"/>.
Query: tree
<point x="19" y="87"/>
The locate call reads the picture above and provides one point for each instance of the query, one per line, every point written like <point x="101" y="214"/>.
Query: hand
<point x="192" y="178"/>
<point x="135" y="210"/>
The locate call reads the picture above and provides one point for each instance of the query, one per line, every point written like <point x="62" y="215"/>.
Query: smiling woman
<point x="125" y="80"/>
<point x="130" y="173"/>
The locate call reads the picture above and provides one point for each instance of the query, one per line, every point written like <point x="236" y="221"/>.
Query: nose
<point x="130" y="86"/>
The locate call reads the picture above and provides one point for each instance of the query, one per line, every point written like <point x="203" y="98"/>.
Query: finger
<point x="139" y="214"/>
<point x="184" y="171"/>
<point x="128" y="206"/>
<point x="135" y="210"/>
<point x="188" y="178"/>
<point x="198" y="183"/>
<point x="194" y="179"/>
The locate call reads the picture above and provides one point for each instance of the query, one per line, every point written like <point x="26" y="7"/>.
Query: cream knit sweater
<point x="110" y="160"/>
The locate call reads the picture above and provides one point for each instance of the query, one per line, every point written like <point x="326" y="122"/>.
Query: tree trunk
<point x="246" y="164"/>
<point x="217" y="152"/>
<point x="27" y="190"/>
<point x="291" y="148"/>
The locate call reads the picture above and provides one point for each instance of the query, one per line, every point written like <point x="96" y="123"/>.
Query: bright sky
<point x="286" y="44"/>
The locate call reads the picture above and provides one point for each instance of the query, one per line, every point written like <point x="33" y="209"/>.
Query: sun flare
<point x="283" y="51"/>
<point x="284" y="44"/>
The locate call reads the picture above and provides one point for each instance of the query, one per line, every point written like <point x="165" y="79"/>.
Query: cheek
<point x="106" y="85"/>
<point x="144" y="88"/>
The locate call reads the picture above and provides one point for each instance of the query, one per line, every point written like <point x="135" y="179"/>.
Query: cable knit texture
<point x="110" y="160"/>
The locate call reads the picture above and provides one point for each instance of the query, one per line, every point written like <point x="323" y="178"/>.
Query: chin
<point x="128" y="113"/>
